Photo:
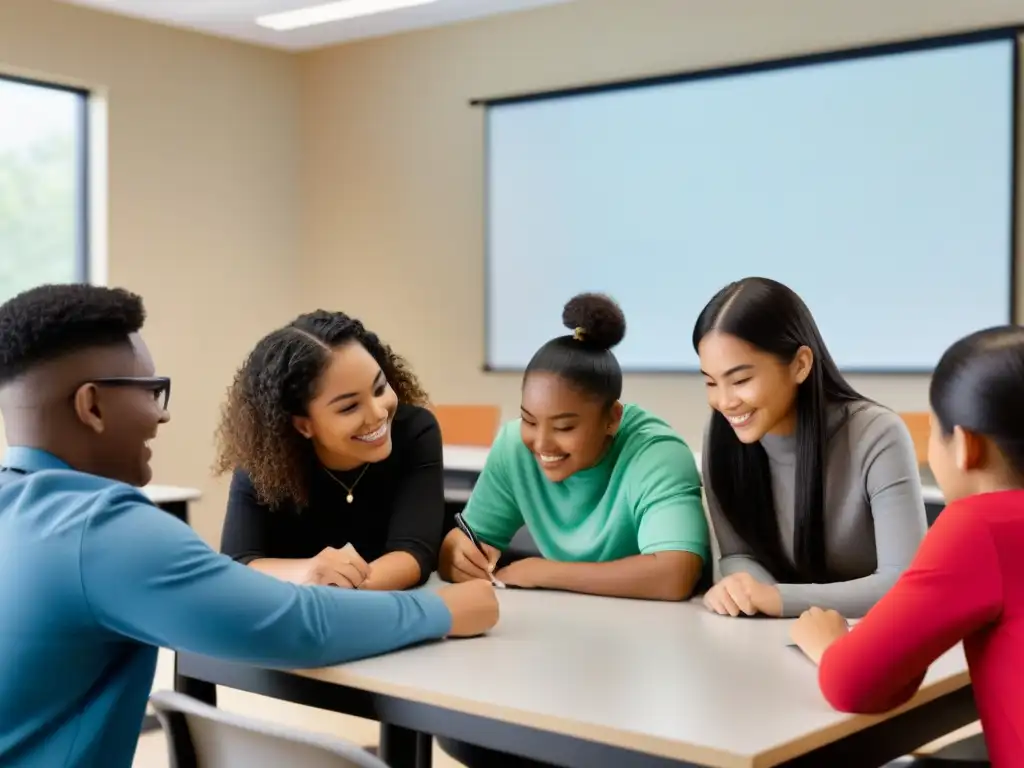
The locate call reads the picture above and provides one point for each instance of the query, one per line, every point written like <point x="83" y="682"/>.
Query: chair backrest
<point x="201" y="736"/>
<point x="468" y="424"/>
<point x="919" y="424"/>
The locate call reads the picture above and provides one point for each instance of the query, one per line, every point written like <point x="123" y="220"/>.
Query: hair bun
<point x="600" y="318"/>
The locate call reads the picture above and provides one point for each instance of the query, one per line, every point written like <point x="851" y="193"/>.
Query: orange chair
<point x="919" y="424"/>
<point x="475" y="425"/>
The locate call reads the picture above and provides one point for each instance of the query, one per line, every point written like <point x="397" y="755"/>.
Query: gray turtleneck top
<point x="874" y="511"/>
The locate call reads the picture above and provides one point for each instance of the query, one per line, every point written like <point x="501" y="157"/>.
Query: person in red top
<point x="966" y="582"/>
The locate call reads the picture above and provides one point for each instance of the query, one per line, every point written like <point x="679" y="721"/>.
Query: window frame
<point x="83" y="213"/>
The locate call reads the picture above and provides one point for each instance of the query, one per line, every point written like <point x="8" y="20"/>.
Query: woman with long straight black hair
<point x="813" y="490"/>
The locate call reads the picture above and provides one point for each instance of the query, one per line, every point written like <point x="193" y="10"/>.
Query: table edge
<point x="632" y="740"/>
<point x="822" y="737"/>
<point x="628" y="740"/>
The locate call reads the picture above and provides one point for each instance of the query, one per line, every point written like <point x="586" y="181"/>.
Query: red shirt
<point x="966" y="583"/>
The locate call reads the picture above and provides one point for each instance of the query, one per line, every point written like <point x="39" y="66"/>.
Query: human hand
<point x="460" y="560"/>
<point x="338" y="568"/>
<point x="742" y="593"/>
<point x="816" y="630"/>
<point x="527" y="573"/>
<point x="473" y="606"/>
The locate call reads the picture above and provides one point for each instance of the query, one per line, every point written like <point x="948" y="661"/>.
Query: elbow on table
<point x="851" y="691"/>
<point x="853" y="699"/>
<point x="842" y="695"/>
<point x="680" y="577"/>
<point x="422" y="577"/>
<point x="420" y="569"/>
<point x="673" y="593"/>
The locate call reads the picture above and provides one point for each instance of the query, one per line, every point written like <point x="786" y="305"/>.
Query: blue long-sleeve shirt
<point x="94" y="578"/>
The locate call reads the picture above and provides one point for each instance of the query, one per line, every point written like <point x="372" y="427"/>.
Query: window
<point x="43" y="185"/>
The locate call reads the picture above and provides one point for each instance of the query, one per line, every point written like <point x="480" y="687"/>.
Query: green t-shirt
<point x="644" y="496"/>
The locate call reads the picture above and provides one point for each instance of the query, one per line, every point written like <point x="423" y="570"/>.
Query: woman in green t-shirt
<point x="609" y="492"/>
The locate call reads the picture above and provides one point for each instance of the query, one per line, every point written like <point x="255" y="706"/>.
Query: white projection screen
<point x="878" y="184"/>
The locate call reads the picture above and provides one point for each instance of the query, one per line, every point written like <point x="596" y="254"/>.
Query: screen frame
<point x="1011" y="34"/>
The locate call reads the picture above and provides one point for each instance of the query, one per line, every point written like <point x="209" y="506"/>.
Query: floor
<point x="152" y="749"/>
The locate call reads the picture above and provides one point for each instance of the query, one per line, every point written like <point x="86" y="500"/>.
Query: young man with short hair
<point x="94" y="578"/>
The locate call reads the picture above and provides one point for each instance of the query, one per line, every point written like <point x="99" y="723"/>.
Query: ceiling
<point x="236" y="18"/>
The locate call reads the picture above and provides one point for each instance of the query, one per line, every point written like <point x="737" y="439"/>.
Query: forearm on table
<point x="853" y="599"/>
<point x="731" y="564"/>
<point x="293" y="570"/>
<point x="659" y="576"/>
<point x="172" y="590"/>
<point x="953" y="588"/>
<point x="326" y="625"/>
<point x="882" y="661"/>
<point x="393" y="571"/>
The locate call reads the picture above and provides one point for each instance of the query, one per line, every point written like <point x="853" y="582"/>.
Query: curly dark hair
<point x="277" y="382"/>
<point x="50" y="321"/>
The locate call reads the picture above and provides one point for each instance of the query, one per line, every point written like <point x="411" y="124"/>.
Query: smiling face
<point x="144" y="410"/>
<point x="122" y="409"/>
<point x="349" y="418"/>
<point x="753" y="389"/>
<point x="566" y="430"/>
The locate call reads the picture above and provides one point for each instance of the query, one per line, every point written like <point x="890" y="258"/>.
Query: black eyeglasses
<point x="160" y="386"/>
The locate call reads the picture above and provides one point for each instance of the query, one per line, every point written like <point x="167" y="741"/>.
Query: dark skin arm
<point x="393" y="571"/>
<point x="669" y="576"/>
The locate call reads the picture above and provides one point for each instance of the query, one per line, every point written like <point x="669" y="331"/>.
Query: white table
<point x="462" y="465"/>
<point x="171" y="494"/>
<point x="467" y="459"/>
<point x="172" y="499"/>
<point x="592" y="682"/>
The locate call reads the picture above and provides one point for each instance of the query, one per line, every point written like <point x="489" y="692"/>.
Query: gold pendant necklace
<point x="348" y="490"/>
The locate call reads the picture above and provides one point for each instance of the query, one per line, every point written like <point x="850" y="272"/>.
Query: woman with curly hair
<point x="337" y="462"/>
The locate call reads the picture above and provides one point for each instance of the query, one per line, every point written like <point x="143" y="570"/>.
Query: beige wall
<point x="364" y="164"/>
<point x="204" y="199"/>
<point x="393" y="157"/>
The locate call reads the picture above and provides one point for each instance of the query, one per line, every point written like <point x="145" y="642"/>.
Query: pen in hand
<point x="476" y="542"/>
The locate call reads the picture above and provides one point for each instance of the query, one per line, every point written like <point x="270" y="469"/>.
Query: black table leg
<point x="401" y="747"/>
<point x="424" y="750"/>
<point x="178" y="509"/>
<point x="197" y="689"/>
